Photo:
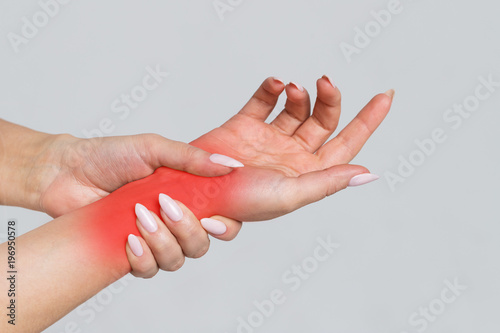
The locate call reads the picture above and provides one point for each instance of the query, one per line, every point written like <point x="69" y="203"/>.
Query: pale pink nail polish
<point x="390" y="93"/>
<point x="135" y="245"/>
<point x="363" y="179"/>
<point x="170" y="207"/>
<point x="215" y="227"/>
<point x="225" y="161"/>
<point x="147" y="220"/>
<point x="330" y="80"/>
<point x="298" y="86"/>
<point x="279" y="80"/>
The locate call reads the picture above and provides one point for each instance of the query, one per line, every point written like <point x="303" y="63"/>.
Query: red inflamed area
<point x="105" y="224"/>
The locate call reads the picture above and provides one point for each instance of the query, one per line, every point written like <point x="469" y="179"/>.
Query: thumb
<point x="314" y="186"/>
<point x="184" y="157"/>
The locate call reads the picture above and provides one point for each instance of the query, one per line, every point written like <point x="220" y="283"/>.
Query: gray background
<point x="397" y="247"/>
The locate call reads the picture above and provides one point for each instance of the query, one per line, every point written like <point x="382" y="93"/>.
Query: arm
<point x="20" y="149"/>
<point x="281" y="174"/>
<point x="57" y="174"/>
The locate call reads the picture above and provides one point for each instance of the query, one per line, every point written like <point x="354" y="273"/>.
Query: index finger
<point x="347" y="144"/>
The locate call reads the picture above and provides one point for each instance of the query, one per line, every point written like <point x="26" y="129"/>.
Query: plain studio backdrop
<point x="416" y="251"/>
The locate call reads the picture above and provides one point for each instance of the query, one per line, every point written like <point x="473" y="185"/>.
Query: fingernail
<point x="225" y="161"/>
<point x="330" y="80"/>
<point x="363" y="179"/>
<point x="147" y="220"/>
<point x="170" y="207"/>
<point x="279" y="80"/>
<point x="135" y="245"/>
<point x="390" y="93"/>
<point x="215" y="227"/>
<point x="298" y="86"/>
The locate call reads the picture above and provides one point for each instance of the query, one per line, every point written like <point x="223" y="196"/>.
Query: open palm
<point x="287" y="162"/>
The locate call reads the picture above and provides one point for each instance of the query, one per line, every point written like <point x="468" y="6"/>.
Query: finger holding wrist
<point x="186" y="228"/>
<point x="162" y="243"/>
<point x="221" y="227"/>
<point x="140" y="257"/>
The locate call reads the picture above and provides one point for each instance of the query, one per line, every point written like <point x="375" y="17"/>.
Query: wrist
<point x="27" y="157"/>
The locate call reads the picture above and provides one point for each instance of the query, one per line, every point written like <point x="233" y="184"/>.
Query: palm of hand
<point x="287" y="163"/>
<point x="258" y="144"/>
<point x="289" y="153"/>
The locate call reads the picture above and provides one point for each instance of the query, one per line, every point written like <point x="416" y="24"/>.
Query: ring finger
<point x="166" y="250"/>
<point x="297" y="109"/>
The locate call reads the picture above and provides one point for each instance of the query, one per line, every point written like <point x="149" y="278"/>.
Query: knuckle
<point x="151" y="136"/>
<point x="191" y="230"/>
<point x="190" y="156"/>
<point x="150" y="139"/>
<point x="162" y="244"/>
<point x="176" y="265"/>
<point x="200" y="252"/>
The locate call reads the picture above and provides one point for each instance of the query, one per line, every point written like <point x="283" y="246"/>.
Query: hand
<point x="287" y="162"/>
<point x="166" y="241"/>
<point x="88" y="169"/>
<point x="76" y="172"/>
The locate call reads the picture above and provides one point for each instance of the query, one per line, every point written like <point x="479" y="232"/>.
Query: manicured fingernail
<point x="135" y="245"/>
<point x="330" y="80"/>
<point x="147" y="220"/>
<point x="279" y="80"/>
<point x="170" y="207"/>
<point x="215" y="227"/>
<point x="363" y="179"/>
<point x="298" y="86"/>
<point x="225" y="161"/>
<point x="390" y="93"/>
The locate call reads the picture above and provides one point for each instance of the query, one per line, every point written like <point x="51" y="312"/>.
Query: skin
<point x="58" y="174"/>
<point x="38" y="167"/>
<point x="286" y="164"/>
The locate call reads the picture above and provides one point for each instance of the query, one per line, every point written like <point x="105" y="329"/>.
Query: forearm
<point x="21" y="149"/>
<point x="68" y="260"/>
<point x="111" y="219"/>
<point x="54" y="274"/>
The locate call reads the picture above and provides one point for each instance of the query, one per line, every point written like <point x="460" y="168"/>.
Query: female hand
<point x="168" y="239"/>
<point x="60" y="173"/>
<point x="76" y="172"/>
<point x="92" y="168"/>
<point x="287" y="162"/>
